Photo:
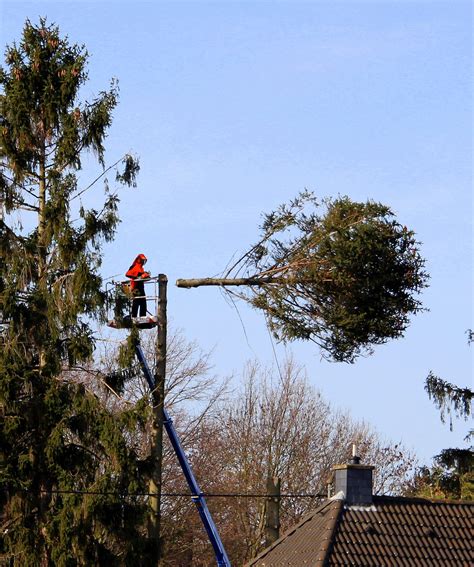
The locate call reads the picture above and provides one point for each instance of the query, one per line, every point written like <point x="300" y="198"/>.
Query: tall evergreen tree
<point x="452" y="474"/>
<point x="56" y="439"/>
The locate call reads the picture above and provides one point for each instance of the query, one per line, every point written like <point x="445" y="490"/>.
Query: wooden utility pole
<point x="272" y="511"/>
<point x="154" y="523"/>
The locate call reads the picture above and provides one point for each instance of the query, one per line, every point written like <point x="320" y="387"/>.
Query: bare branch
<point x="96" y="179"/>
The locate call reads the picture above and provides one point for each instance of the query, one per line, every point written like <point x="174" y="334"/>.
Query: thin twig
<point x="97" y="178"/>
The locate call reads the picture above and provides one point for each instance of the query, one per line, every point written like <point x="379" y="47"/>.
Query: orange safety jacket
<point x="136" y="271"/>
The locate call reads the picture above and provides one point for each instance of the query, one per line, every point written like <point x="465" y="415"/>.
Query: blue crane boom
<point x="196" y="493"/>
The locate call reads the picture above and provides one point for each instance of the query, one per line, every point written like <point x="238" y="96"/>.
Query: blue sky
<point x="234" y="107"/>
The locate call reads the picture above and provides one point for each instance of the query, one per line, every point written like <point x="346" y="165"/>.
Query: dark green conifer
<point x="56" y="436"/>
<point x="452" y="475"/>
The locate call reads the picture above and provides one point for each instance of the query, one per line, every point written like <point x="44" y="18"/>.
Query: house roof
<point x="392" y="531"/>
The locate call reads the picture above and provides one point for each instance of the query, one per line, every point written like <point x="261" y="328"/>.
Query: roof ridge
<point x="421" y="500"/>
<point x="332" y="528"/>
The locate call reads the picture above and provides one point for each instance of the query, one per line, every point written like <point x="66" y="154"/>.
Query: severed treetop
<point x="343" y="274"/>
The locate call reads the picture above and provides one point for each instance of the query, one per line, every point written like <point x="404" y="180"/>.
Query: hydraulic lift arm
<point x="196" y="493"/>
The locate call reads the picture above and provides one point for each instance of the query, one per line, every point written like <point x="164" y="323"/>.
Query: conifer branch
<point x="23" y="205"/>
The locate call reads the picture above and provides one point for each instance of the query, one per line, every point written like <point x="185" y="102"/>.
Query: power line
<point x="166" y="494"/>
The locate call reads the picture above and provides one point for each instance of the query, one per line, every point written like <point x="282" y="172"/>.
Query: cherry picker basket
<point x="120" y="300"/>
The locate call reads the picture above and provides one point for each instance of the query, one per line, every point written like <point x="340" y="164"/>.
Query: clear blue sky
<point x="234" y="107"/>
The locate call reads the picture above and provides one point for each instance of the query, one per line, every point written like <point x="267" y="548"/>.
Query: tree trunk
<point x="154" y="523"/>
<point x="254" y="281"/>
<point x="42" y="246"/>
<point x="272" y="516"/>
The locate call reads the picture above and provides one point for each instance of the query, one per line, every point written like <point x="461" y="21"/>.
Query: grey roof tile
<point x="393" y="532"/>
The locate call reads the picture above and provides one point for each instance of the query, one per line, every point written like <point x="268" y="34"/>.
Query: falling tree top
<point x="342" y="274"/>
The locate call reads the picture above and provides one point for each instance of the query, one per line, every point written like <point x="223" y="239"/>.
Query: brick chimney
<point x="354" y="480"/>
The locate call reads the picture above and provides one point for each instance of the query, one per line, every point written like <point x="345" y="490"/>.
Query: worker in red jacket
<point x="137" y="273"/>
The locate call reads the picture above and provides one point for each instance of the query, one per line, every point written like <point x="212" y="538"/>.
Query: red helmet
<point x="140" y="259"/>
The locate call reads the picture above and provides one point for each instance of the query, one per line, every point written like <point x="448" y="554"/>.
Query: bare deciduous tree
<point x="278" y="425"/>
<point x="274" y="424"/>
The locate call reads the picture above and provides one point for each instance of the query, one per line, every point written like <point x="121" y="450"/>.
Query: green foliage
<point x="460" y="460"/>
<point x="126" y="354"/>
<point x="450" y="477"/>
<point x="449" y="398"/>
<point x="453" y="473"/>
<point x="470" y="336"/>
<point x="340" y="273"/>
<point x="128" y="369"/>
<point x="56" y="437"/>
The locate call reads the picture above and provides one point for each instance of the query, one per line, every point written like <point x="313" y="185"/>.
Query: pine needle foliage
<point x="343" y="274"/>
<point x="56" y="436"/>
<point x="449" y="398"/>
<point x="454" y="467"/>
<point x="450" y="477"/>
